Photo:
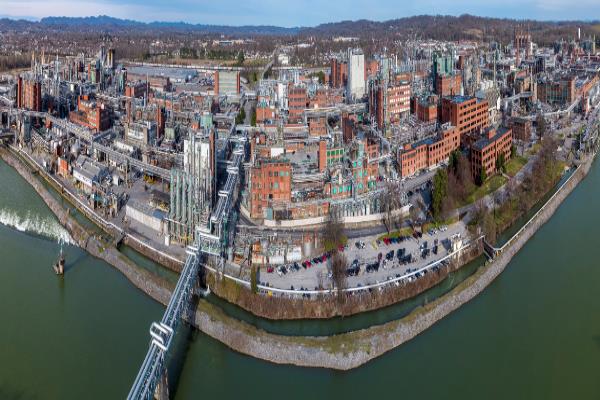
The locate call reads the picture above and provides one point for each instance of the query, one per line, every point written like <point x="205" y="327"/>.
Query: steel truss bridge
<point x="152" y="374"/>
<point x="154" y="366"/>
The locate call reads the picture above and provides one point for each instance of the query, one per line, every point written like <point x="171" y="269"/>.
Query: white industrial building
<point x="357" y="87"/>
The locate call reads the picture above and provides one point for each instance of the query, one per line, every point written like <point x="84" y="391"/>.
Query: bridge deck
<point x="149" y="375"/>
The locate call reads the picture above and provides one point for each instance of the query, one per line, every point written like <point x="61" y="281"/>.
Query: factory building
<point x="270" y="182"/>
<point x="29" y="93"/>
<point x="193" y="189"/>
<point x="521" y="128"/>
<point x="91" y="114"/>
<point x="356" y="87"/>
<point x="487" y="150"/>
<point x="468" y="114"/>
<point x="227" y="83"/>
<point x="297" y="102"/>
<point x="141" y="133"/>
<point x="426" y="108"/>
<point x="389" y="102"/>
<point x="338" y="77"/>
<point x="557" y="92"/>
<point x="428" y="153"/>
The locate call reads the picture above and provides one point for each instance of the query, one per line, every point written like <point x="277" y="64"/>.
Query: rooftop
<point x="485" y="141"/>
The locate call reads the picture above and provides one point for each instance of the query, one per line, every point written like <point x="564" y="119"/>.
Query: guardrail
<point x="530" y="221"/>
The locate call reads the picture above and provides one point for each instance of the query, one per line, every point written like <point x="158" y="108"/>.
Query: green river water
<point x="534" y="333"/>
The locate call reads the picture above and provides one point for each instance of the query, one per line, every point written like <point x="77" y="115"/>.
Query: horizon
<point x="296" y="15"/>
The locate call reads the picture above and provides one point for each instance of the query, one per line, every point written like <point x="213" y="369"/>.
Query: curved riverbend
<point x="531" y="332"/>
<point x="343" y="351"/>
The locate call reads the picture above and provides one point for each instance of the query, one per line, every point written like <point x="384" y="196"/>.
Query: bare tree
<point x="390" y="203"/>
<point x="339" y="265"/>
<point x="333" y="231"/>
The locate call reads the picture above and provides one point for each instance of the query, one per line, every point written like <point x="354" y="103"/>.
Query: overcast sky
<point x="299" y="12"/>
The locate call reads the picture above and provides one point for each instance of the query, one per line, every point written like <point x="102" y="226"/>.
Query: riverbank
<point x="157" y="288"/>
<point x="350" y="350"/>
<point x="344" y="351"/>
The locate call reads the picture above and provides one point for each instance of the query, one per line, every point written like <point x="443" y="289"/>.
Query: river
<point x="533" y="333"/>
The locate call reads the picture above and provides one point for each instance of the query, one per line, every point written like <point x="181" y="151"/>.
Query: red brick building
<point x="91" y="114"/>
<point x="486" y="151"/>
<point x="468" y="114"/>
<point x="363" y="157"/>
<point x="448" y="85"/>
<point x="136" y="89"/>
<point x="160" y="121"/>
<point x="521" y="128"/>
<point x="339" y="73"/>
<point x="29" y="94"/>
<point x="429" y="152"/>
<point x="317" y="126"/>
<point x="426" y="109"/>
<point x="559" y="92"/>
<point x="264" y="113"/>
<point x="297" y="102"/>
<point x="348" y="127"/>
<point x="398" y="102"/>
<point x="319" y="100"/>
<point x="270" y="183"/>
<point x="227" y="82"/>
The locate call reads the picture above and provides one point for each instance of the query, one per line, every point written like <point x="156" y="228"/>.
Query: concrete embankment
<point x="342" y="352"/>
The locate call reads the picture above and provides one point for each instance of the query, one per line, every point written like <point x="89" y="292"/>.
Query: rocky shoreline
<point x="341" y="352"/>
<point x="350" y="350"/>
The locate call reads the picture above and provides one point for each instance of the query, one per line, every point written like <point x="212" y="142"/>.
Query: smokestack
<point x="578" y="33"/>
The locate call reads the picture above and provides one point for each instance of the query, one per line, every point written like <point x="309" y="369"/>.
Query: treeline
<point x="518" y="199"/>
<point x="14" y="61"/>
<point x="445" y="27"/>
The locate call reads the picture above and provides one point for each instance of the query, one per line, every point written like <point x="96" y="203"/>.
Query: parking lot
<point x="370" y="261"/>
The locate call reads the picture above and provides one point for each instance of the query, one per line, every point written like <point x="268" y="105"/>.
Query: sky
<point x="297" y="12"/>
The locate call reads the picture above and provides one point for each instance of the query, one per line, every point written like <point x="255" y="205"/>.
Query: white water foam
<point x="47" y="227"/>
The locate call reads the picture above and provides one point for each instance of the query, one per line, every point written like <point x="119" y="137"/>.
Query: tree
<point x="439" y="193"/>
<point x="254" y="279"/>
<point x="501" y="163"/>
<point x="541" y="125"/>
<point x="390" y="202"/>
<point x="339" y="265"/>
<point x="489" y="228"/>
<point x="253" y="118"/>
<point x="482" y="176"/>
<point x="321" y="76"/>
<point x="241" y="117"/>
<point x="333" y="231"/>
<point x="240" y="58"/>
<point x="453" y="160"/>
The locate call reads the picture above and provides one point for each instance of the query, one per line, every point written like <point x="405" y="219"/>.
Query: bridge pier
<point x="162" y="389"/>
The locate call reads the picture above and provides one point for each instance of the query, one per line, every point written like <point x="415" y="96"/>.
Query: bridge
<point x="152" y="374"/>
